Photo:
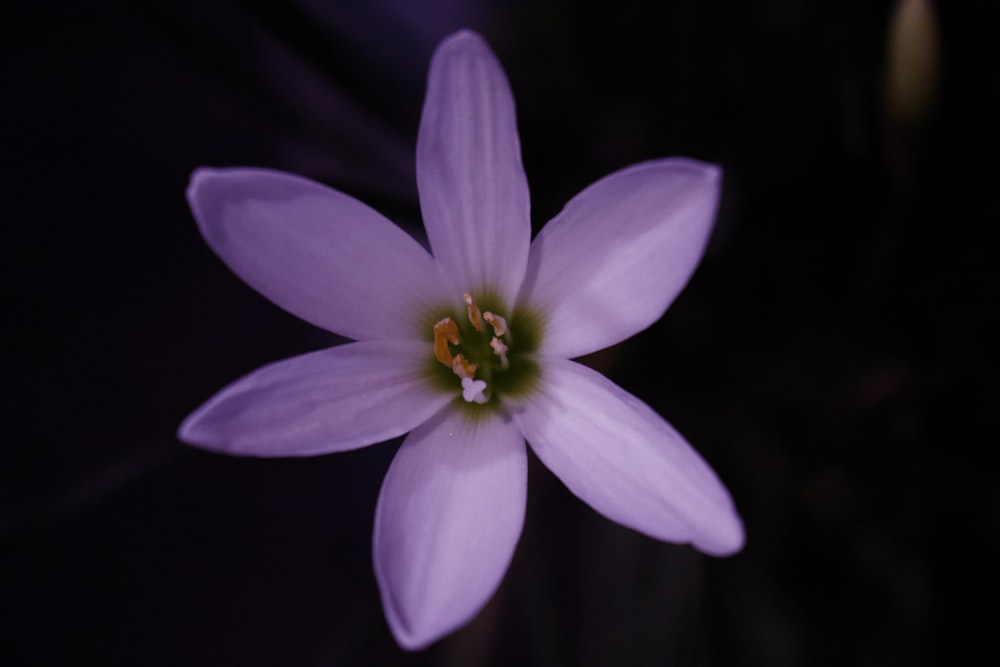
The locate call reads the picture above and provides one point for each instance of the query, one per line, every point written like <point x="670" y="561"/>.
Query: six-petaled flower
<point x="467" y="349"/>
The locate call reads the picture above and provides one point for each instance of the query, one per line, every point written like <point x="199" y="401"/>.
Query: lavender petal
<point x="332" y="400"/>
<point x="316" y="252"/>
<point x="449" y="516"/>
<point x="620" y="457"/>
<point x="473" y="190"/>
<point x="618" y="254"/>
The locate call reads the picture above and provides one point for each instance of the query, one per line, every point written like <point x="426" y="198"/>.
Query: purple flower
<point x="468" y="350"/>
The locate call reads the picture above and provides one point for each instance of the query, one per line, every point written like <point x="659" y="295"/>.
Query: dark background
<point x="829" y="358"/>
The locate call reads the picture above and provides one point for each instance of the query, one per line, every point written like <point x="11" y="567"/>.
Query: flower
<point x="468" y="350"/>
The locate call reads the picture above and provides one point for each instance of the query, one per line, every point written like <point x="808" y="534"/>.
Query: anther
<point x="445" y="331"/>
<point x="474" y="314"/>
<point x="500" y="350"/>
<point x="462" y="367"/>
<point x="498" y="323"/>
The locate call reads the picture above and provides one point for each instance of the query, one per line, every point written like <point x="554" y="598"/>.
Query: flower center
<point x="476" y="357"/>
<point x="484" y="352"/>
<point x="483" y="356"/>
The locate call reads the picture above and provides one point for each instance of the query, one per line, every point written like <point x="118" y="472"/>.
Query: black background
<point x="829" y="357"/>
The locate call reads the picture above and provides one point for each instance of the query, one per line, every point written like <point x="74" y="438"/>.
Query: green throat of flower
<point x="483" y="355"/>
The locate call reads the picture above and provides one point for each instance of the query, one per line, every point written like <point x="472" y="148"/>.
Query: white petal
<point x="624" y="460"/>
<point x="317" y="252"/>
<point x="448" y="519"/>
<point x="473" y="191"/>
<point x="613" y="260"/>
<point x="328" y="401"/>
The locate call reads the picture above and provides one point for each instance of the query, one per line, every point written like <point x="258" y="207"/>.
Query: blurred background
<point x="830" y="357"/>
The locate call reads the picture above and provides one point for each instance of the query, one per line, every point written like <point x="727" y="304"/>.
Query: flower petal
<point x="618" y="254"/>
<point x="316" y="252"/>
<point x="333" y="400"/>
<point x="473" y="191"/>
<point x="449" y="516"/>
<point x="625" y="461"/>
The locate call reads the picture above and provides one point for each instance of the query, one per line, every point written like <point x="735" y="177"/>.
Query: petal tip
<point x="463" y="43"/>
<point x="199" y="193"/>
<point x="200" y="430"/>
<point x="714" y="174"/>
<point x="184" y="431"/>
<point x="408" y="639"/>
<point x="709" y="171"/>
<point x="462" y="37"/>
<point x="192" y="432"/>
<point x="411" y="632"/>
<point x="419" y="632"/>
<point x="199" y="177"/>
<point x="727" y="539"/>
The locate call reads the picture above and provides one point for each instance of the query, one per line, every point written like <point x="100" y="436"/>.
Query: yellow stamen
<point x="445" y="332"/>
<point x="498" y="323"/>
<point x="462" y="367"/>
<point x="447" y="336"/>
<point x="474" y="315"/>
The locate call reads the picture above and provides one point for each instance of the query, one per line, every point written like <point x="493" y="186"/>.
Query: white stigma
<point x="472" y="390"/>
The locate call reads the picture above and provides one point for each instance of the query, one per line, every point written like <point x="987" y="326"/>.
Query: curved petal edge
<point x="332" y="400"/>
<point x="621" y="458"/>
<point x="473" y="189"/>
<point x="614" y="259"/>
<point x="447" y="522"/>
<point x="316" y="252"/>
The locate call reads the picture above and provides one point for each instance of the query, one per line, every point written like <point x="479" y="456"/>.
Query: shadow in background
<point x="829" y="359"/>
